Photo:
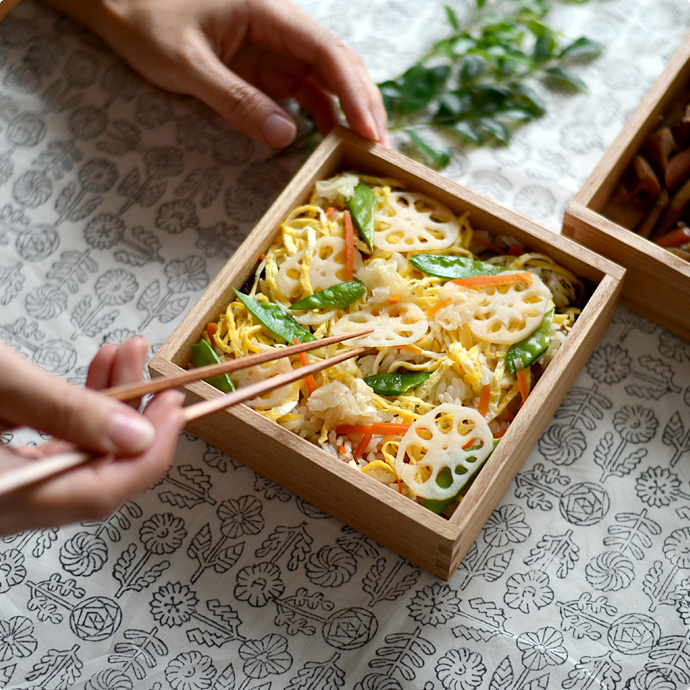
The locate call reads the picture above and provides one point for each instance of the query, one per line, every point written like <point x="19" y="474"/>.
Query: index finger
<point x="334" y="66"/>
<point x="32" y="397"/>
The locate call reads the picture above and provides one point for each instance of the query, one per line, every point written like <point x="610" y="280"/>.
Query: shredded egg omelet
<point x="428" y="441"/>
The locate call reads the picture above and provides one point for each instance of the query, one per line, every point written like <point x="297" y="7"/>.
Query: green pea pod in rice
<point x="275" y="318"/>
<point x="452" y="267"/>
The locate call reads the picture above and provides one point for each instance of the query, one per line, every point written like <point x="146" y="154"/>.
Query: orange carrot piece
<point x="262" y="256"/>
<point x="349" y="246"/>
<point x="485" y="243"/>
<point x="212" y="329"/>
<point x="363" y="445"/>
<point x="399" y="486"/>
<point x="522" y="383"/>
<point x="484" y="400"/>
<point x="394" y="298"/>
<point x="309" y="380"/>
<point x="439" y="305"/>
<point x="342" y="449"/>
<point x="476" y="282"/>
<point x="501" y="432"/>
<point x="410" y="348"/>
<point x="329" y="212"/>
<point x="377" y="429"/>
<point x="516" y="250"/>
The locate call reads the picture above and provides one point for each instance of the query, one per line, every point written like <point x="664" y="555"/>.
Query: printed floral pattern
<point x="120" y="202"/>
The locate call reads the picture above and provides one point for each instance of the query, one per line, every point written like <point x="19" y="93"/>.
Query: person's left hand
<point x="240" y="57"/>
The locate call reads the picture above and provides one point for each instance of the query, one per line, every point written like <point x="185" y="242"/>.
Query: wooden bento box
<point x="432" y="542"/>
<point x="657" y="283"/>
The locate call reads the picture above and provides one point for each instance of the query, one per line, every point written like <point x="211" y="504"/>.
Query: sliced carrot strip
<point x="399" y="486"/>
<point x="329" y="212"/>
<point x="342" y="449"/>
<point x="212" y="329"/>
<point x="476" y="282"/>
<point x="522" y="383"/>
<point x="410" y="348"/>
<point x="394" y="298"/>
<point x="501" y="432"/>
<point x="309" y="380"/>
<point x="439" y="305"/>
<point x="484" y="399"/>
<point x="516" y="250"/>
<point x="377" y="429"/>
<point x="363" y="445"/>
<point x="485" y="243"/>
<point x="349" y="246"/>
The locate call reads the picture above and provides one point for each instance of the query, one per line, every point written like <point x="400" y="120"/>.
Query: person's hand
<point x="238" y="56"/>
<point x="139" y="448"/>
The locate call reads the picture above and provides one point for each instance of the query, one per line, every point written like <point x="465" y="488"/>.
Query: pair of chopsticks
<point x="45" y="468"/>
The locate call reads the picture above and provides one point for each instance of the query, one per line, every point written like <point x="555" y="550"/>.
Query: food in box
<point x="434" y="542"/>
<point x="464" y="325"/>
<point x="631" y="204"/>
<point x="653" y="196"/>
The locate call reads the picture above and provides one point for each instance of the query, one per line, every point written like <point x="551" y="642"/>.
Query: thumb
<point x="32" y="397"/>
<point x="248" y="109"/>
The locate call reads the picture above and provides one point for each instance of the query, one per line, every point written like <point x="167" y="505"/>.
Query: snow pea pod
<point x="336" y="297"/>
<point x="521" y="355"/>
<point x="362" y="206"/>
<point x="445" y="479"/>
<point x="275" y="318"/>
<point x="396" y="383"/>
<point x="203" y="354"/>
<point x="445" y="266"/>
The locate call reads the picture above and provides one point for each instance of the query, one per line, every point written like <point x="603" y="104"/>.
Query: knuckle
<point x="238" y="104"/>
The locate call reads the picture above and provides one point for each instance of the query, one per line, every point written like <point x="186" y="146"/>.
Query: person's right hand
<point x="137" y="449"/>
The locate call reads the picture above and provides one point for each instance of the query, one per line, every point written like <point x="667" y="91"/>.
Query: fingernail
<point x="278" y="131"/>
<point x="373" y="128"/>
<point x="131" y="434"/>
<point x="386" y="140"/>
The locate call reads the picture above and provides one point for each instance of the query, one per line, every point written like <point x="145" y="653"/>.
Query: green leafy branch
<point x="475" y="84"/>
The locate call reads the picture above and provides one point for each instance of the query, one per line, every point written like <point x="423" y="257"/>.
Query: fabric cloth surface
<point x="118" y="204"/>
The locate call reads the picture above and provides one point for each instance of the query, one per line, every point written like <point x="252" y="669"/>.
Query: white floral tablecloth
<point x="119" y="202"/>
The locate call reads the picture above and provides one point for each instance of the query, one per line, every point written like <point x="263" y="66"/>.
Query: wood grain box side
<point x="657" y="284"/>
<point x="658" y="102"/>
<point x="535" y="414"/>
<point x="430" y="541"/>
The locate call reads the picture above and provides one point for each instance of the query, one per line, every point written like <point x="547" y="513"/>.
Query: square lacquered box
<point x="657" y="283"/>
<point x="432" y="542"/>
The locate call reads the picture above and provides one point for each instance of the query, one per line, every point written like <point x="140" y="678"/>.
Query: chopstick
<point x="56" y="464"/>
<point x="129" y="391"/>
<point x="45" y="468"/>
<point x="201" y="409"/>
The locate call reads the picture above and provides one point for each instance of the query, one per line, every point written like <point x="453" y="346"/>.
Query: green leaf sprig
<point x="477" y="83"/>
